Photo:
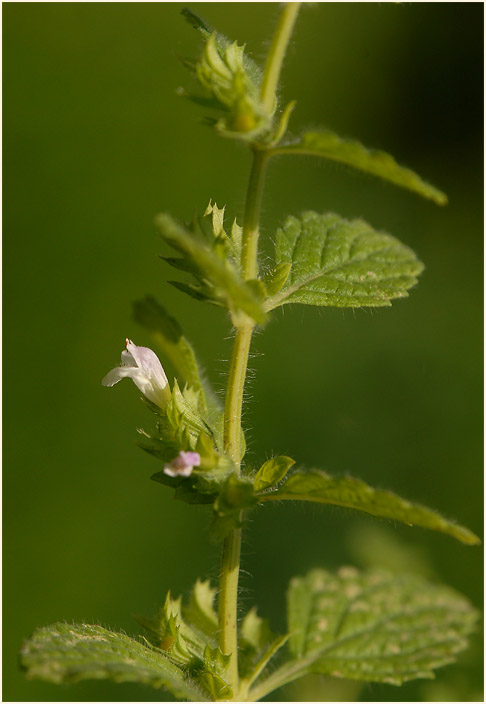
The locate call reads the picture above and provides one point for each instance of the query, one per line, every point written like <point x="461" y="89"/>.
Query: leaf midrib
<point x="274" y="301"/>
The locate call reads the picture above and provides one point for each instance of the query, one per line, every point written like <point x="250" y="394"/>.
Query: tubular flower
<point x="183" y="464"/>
<point x="142" y="365"/>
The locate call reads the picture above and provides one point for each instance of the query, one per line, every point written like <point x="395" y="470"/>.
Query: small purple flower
<point x="142" y="365"/>
<point x="183" y="464"/>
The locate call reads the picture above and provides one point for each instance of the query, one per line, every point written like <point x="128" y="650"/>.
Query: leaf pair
<point x="322" y="260"/>
<point x="371" y="626"/>
<point x="273" y="482"/>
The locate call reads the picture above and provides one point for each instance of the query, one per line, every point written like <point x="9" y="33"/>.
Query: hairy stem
<point x="249" y="251"/>
<point x="276" y="55"/>
<point x="234" y="393"/>
<point x="230" y="563"/>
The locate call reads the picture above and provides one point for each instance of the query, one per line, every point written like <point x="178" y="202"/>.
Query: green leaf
<point x="181" y="426"/>
<point x="328" y="145"/>
<point x="315" y="485"/>
<point x="196" y="22"/>
<point x="171" y="632"/>
<point x="65" y="653"/>
<point x="232" y="241"/>
<point x="343" y="263"/>
<point x="272" y="471"/>
<point x="227" y="286"/>
<point x="200" y="611"/>
<point x="257" y="646"/>
<point x="255" y="630"/>
<point x="375" y="626"/>
<point x="215" y="667"/>
<point x="236" y="495"/>
<point x="168" y="336"/>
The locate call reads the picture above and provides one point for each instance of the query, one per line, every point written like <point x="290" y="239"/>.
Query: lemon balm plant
<point x="370" y="626"/>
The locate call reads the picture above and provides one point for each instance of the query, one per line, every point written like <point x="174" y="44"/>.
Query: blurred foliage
<point x="96" y="143"/>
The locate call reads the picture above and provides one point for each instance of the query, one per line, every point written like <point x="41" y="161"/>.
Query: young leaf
<point x="227" y="286"/>
<point x="215" y="667"/>
<point x="169" y="337"/>
<point x="65" y="653"/>
<point x="258" y="645"/>
<point x="375" y="626"/>
<point x="315" y="485"/>
<point x="200" y="611"/>
<point x="371" y="626"/>
<point x="272" y="471"/>
<point x="344" y="263"/>
<point x="255" y="630"/>
<point x="235" y="496"/>
<point x="231" y="80"/>
<point x="328" y="145"/>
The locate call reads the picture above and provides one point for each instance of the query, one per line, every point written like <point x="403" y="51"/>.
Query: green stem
<point x="227" y="604"/>
<point x="230" y="563"/>
<point x="276" y="55"/>
<point x="249" y="249"/>
<point x="234" y="393"/>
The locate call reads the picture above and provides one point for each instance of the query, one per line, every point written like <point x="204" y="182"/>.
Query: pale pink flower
<point x="183" y="464"/>
<point x="142" y="365"/>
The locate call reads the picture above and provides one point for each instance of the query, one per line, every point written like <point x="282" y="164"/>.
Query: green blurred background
<point x="96" y="142"/>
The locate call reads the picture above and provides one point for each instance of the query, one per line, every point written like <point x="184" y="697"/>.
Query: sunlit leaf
<point x="65" y="653"/>
<point x="200" y="611"/>
<point x="272" y="472"/>
<point x="343" y="263"/>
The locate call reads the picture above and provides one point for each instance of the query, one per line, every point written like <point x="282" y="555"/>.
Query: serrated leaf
<point x="228" y="286"/>
<point x="343" y="263"/>
<point x="329" y="145"/>
<point x="375" y="626"/>
<point x="255" y="630"/>
<point x="216" y="686"/>
<point x="168" y="336"/>
<point x="65" y="653"/>
<point x="257" y="646"/>
<point x="371" y="626"/>
<point x="316" y="485"/>
<point x="272" y="472"/>
<point x="185" y="405"/>
<point x="217" y="219"/>
<point x="200" y="612"/>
